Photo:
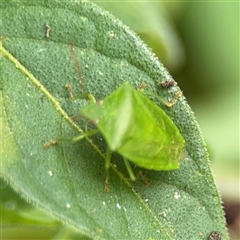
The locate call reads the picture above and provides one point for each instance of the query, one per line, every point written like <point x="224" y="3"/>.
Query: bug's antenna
<point x="78" y="69"/>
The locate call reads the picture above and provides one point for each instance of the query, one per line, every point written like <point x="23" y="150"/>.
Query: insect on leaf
<point x="67" y="180"/>
<point x="138" y="129"/>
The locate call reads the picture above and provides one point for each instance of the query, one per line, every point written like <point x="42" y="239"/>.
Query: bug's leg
<point x="75" y="139"/>
<point x="174" y="100"/>
<point x="69" y="88"/>
<point x="107" y="166"/>
<point x="129" y="169"/>
<point x="86" y="126"/>
<point x="86" y="96"/>
<point x="84" y="135"/>
<point x="51" y="143"/>
<point x="142" y="86"/>
<point x="169" y="104"/>
<point x="143" y="178"/>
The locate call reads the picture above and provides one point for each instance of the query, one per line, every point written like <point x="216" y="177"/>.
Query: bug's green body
<point x="138" y="129"/>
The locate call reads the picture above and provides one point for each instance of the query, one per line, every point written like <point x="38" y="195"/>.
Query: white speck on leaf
<point x="111" y="33"/>
<point x="163" y="214"/>
<point x="118" y="206"/>
<point x="68" y="205"/>
<point x="176" y="195"/>
<point x="50" y="173"/>
<point x="41" y="50"/>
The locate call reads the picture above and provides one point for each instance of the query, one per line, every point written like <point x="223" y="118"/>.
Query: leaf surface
<point x="67" y="180"/>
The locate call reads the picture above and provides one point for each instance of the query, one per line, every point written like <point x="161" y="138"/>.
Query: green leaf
<point x="28" y="223"/>
<point x="20" y="220"/>
<point x="67" y="180"/>
<point x="151" y="21"/>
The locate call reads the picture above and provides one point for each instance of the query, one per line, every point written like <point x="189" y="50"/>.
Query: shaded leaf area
<point x="67" y="180"/>
<point x="20" y="220"/>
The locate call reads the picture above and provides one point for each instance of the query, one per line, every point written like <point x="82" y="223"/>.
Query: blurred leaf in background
<point x="211" y="80"/>
<point x="210" y="32"/>
<point x="153" y="23"/>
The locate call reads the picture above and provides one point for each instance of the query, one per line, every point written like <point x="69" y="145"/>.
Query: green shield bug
<point x="136" y="128"/>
